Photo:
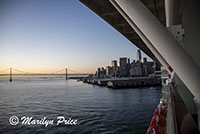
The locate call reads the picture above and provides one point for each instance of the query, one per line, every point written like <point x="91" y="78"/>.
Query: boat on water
<point x="168" y="32"/>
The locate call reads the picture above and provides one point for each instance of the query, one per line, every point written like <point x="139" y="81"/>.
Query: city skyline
<point x="126" y="67"/>
<point x="44" y="36"/>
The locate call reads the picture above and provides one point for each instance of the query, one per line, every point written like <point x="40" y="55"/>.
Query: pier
<point x="124" y="82"/>
<point x="134" y="82"/>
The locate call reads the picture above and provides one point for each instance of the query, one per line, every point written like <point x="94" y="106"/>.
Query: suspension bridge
<point x="12" y="71"/>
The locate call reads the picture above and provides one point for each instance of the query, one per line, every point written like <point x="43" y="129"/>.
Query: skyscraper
<point x="123" y="67"/>
<point x="144" y="60"/>
<point x="114" y="63"/>
<point x="109" y="71"/>
<point x="138" y="55"/>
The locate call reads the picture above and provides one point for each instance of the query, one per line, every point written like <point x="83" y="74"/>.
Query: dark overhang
<point x="105" y="10"/>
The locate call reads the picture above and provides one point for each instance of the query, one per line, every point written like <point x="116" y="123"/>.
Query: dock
<point x="134" y="82"/>
<point x="124" y="82"/>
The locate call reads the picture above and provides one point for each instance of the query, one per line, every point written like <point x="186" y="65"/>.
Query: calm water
<point x="99" y="110"/>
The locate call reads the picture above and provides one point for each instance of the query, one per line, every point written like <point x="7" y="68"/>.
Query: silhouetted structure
<point x="66" y="74"/>
<point x="10" y="74"/>
<point x="138" y="55"/>
<point x="123" y="67"/>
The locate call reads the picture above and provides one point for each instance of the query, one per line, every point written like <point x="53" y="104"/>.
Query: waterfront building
<point x="103" y="72"/>
<point x="128" y="62"/>
<point x="128" y="66"/>
<point x="114" y="63"/>
<point x="147" y="68"/>
<point x="144" y="60"/>
<point x="136" y="69"/>
<point x="98" y="72"/>
<point x="115" y="68"/>
<point x="109" y="71"/>
<point x="123" y="67"/>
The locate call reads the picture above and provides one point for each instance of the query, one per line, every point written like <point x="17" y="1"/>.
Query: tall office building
<point x="98" y="73"/>
<point x="138" y="55"/>
<point x="103" y="72"/>
<point x="128" y="61"/>
<point x="114" y="68"/>
<point x="144" y="60"/>
<point x="136" y="69"/>
<point x="109" y="71"/>
<point x="123" y="67"/>
<point x="114" y="63"/>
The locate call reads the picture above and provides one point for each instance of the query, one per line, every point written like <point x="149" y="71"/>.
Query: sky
<point x="43" y="36"/>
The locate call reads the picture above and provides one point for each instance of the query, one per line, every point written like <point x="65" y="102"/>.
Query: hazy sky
<point x="48" y="35"/>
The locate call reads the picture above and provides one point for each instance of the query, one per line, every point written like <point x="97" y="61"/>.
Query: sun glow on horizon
<point x="34" y="38"/>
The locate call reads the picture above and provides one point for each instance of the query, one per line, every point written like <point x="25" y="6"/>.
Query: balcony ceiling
<point x="106" y="11"/>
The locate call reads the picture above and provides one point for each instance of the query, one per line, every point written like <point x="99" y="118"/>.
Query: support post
<point x="182" y="63"/>
<point x="66" y="74"/>
<point x="10" y="74"/>
<point x="169" y="12"/>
